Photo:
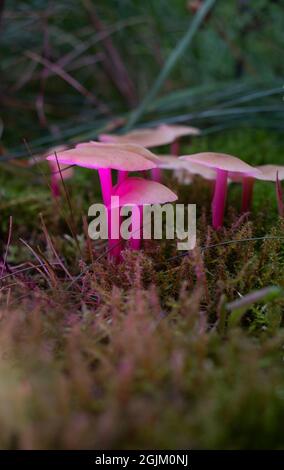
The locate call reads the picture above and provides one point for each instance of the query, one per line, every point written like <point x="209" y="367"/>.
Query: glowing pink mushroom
<point x="105" y="157"/>
<point x="223" y="164"/>
<point x="265" y="173"/>
<point x="275" y="174"/>
<point x="155" y="137"/>
<point x="183" y="170"/>
<point x="138" y="192"/>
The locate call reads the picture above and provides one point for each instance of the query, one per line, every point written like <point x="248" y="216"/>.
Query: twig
<point x="229" y="242"/>
<point x="69" y="79"/>
<point x="113" y="63"/>
<point x="72" y="218"/>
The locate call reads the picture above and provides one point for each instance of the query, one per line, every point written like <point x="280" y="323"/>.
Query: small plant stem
<point x="106" y="188"/>
<point x="248" y="185"/>
<point x="219" y="199"/>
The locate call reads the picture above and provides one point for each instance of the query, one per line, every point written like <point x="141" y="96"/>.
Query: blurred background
<point x="72" y="68"/>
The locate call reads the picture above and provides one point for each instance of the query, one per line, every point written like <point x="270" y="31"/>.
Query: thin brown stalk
<point x="69" y="79"/>
<point x="67" y="196"/>
<point x="51" y="246"/>
<point x="44" y="272"/>
<point x="113" y="64"/>
<point x="69" y="224"/>
<point x="89" y="245"/>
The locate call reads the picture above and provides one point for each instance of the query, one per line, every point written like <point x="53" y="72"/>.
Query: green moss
<point x="141" y="355"/>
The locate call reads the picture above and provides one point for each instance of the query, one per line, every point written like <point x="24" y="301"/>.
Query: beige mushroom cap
<point x="161" y="135"/>
<point x="170" y="162"/>
<point x="269" y="172"/>
<point x="98" y="155"/>
<point x="221" y="161"/>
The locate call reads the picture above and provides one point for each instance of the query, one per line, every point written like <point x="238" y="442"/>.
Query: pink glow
<point x="219" y="199"/>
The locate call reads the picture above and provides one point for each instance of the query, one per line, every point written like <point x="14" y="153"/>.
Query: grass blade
<point x="171" y="62"/>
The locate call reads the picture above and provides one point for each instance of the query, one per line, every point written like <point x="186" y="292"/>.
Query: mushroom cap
<point x="269" y="172"/>
<point x="170" y="162"/>
<point x="65" y="170"/>
<point x="221" y="161"/>
<point x="138" y="191"/>
<point x="98" y="155"/>
<point x="161" y="135"/>
<point x="35" y="159"/>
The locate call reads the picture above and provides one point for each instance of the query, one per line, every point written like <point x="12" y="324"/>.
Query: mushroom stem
<point x="106" y="184"/>
<point x="121" y="176"/>
<point x="156" y="175"/>
<point x="248" y="185"/>
<point x="106" y="188"/>
<point x="279" y="196"/>
<point x="115" y="242"/>
<point x="55" y="189"/>
<point x="175" y="147"/>
<point x="219" y="199"/>
<point x="136" y="225"/>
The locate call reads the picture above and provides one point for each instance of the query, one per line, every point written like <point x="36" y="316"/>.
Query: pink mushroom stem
<point x="175" y="147"/>
<point x="136" y="228"/>
<point x="106" y="184"/>
<point x="115" y="241"/>
<point x="106" y="187"/>
<point x="219" y="199"/>
<point x="122" y="175"/>
<point x="156" y="175"/>
<point x="248" y="185"/>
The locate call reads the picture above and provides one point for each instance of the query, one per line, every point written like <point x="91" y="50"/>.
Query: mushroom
<point x="269" y="173"/>
<point x="64" y="171"/>
<point x="155" y="137"/>
<point x="105" y="157"/>
<point x="224" y="165"/>
<point x="184" y="169"/>
<point x="136" y="151"/>
<point x="138" y="192"/>
<point x="274" y="173"/>
<point x="266" y="173"/>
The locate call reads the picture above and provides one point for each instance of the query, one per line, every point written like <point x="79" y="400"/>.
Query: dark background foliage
<point x="67" y="67"/>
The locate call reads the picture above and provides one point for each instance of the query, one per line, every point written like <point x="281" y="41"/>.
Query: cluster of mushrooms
<point x="130" y="153"/>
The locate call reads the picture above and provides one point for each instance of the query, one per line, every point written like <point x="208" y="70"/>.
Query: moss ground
<point x="142" y="355"/>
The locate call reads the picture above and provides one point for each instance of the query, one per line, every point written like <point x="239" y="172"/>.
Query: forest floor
<point x="147" y="353"/>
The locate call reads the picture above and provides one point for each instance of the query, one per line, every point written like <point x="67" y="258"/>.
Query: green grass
<point x="144" y="354"/>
